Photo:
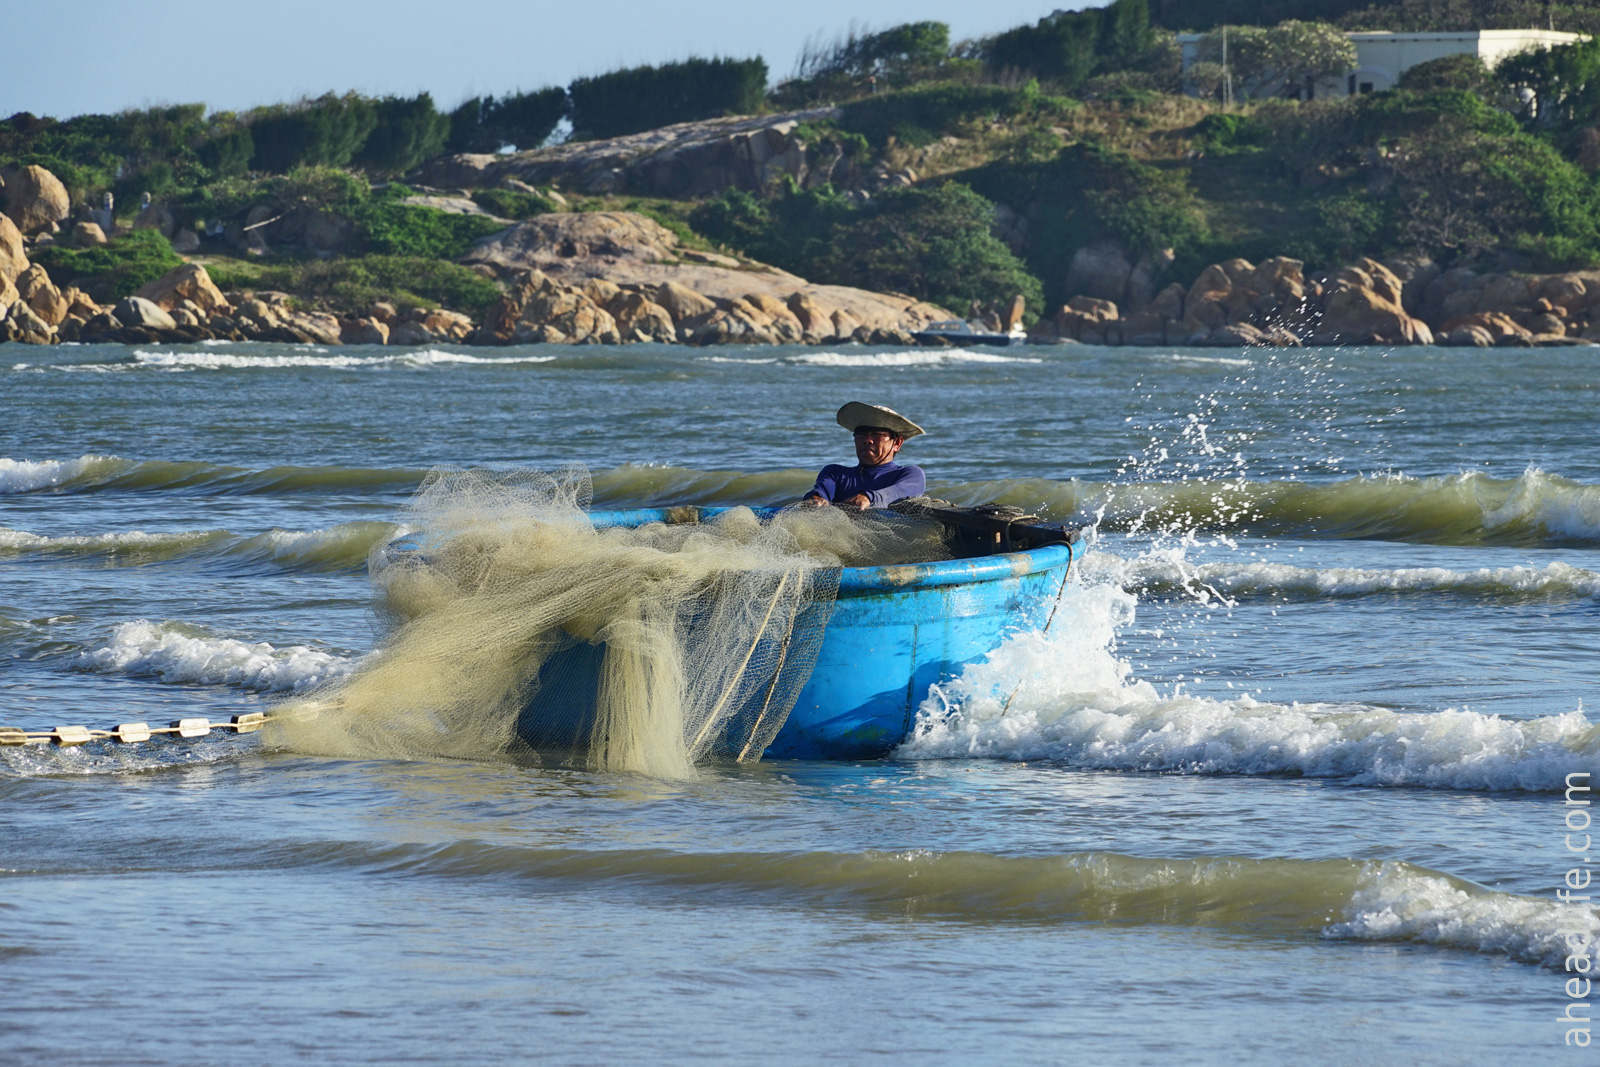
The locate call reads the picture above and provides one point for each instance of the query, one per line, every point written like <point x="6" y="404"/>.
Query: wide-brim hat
<point x="855" y="415"/>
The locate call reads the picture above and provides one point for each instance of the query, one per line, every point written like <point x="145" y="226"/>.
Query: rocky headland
<point x="613" y="277"/>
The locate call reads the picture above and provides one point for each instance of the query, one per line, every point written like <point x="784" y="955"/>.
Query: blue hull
<point x="894" y="632"/>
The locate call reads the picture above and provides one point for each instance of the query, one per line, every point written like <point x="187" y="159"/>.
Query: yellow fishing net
<point x="516" y="625"/>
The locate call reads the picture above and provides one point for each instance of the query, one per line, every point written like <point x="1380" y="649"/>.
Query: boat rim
<point x="859" y="581"/>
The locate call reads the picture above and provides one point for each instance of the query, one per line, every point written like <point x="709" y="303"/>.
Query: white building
<point x="1381" y="56"/>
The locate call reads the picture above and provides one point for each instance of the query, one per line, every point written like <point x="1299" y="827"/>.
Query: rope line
<point x="131" y="732"/>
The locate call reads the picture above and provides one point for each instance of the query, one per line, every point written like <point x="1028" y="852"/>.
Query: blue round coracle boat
<point x="897" y="630"/>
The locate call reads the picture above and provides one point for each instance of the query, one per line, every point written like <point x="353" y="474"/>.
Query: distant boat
<point x="968" y="332"/>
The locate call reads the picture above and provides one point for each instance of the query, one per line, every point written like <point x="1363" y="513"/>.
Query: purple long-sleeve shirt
<point x="883" y="485"/>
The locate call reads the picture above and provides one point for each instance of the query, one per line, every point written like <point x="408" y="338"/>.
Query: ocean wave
<point x="25" y="476"/>
<point x="1180" y="357"/>
<point x="316" y="357"/>
<point x="1066" y="696"/>
<point x="935" y="357"/>
<point x="134" y="542"/>
<point x="341" y="547"/>
<point x="1169" y="570"/>
<point x="113" y="473"/>
<point x="1333" y="899"/>
<point x="177" y="653"/>
<point x="1401" y="902"/>
<point x="1534" y="509"/>
<point x="1470" y="508"/>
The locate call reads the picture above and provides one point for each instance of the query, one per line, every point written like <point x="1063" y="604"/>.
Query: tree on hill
<point x="327" y="131"/>
<point x="523" y="120"/>
<point x="1575" y="16"/>
<point x="1464" y="72"/>
<point x="1209" y="14"/>
<point x="1559" y="87"/>
<point x="889" y="54"/>
<point x="647" y="98"/>
<point x="1443" y="16"/>
<point x="1284" y="60"/>
<point x="934" y="243"/>
<point x="404" y="134"/>
<point x="1069" y="47"/>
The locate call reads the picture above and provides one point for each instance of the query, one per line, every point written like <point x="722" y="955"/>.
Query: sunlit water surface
<point x="1282" y="786"/>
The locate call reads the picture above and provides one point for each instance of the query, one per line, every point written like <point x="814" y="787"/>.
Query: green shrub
<point x="512" y="203"/>
<point x="1347" y="227"/>
<point x="355" y="284"/>
<point x="92" y="153"/>
<point x="932" y="243"/>
<point x="924" y="114"/>
<point x="1229" y="131"/>
<point x="1090" y="192"/>
<point x="111" y="271"/>
<point x="389" y="228"/>
<point x="1449" y="176"/>
<point x="645" y="98"/>
<point x="227" y="154"/>
<point x="1464" y="72"/>
<point x="328" y="131"/>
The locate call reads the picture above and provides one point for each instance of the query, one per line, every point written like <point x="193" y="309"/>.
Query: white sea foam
<point x="22" y="476"/>
<point x="902" y="358"/>
<point x="1561" y="507"/>
<point x="1067" y="696"/>
<point x="317" y="357"/>
<point x="179" y="654"/>
<point x="22" y="541"/>
<point x="1224" y="360"/>
<point x="1398" y="902"/>
<point x="1169" y="568"/>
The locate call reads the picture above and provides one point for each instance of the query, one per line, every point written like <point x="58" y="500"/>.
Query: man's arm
<point x="827" y="482"/>
<point x="908" y="482"/>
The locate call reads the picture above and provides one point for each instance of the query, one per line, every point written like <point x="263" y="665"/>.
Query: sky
<point x="107" y="55"/>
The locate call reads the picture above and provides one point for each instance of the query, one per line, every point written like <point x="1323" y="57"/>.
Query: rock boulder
<point x="633" y="251"/>
<point x="188" y="282"/>
<point x="36" y="200"/>
<point x="140" y="312"/>
<point x="13" y="258"/>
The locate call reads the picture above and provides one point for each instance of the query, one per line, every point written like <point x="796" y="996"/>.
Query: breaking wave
<point x="113" y="473"/>
<point x="936" y="357"/>
<point x="1066" y="696"/>
<point x="317" y="357"/>
<point x="177" y="653"/>
<point x="342" y="547"/>
<point x="25" y="476"/>
<point x="1169" y="571"/>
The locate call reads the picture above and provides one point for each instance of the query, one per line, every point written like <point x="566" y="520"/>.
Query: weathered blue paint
<point x="894" y="632"/>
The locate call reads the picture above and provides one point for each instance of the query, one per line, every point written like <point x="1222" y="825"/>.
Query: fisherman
<point x="876" y="480"/>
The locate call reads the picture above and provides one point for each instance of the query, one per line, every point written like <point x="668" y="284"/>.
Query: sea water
<point x="1283" y="781"/>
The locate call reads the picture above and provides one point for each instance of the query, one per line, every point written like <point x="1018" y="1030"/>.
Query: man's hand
<point x="814" y="502"/>
<point x="859" y="502"/>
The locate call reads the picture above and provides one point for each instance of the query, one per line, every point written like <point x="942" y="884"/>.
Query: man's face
<point x="875" y="447"/>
